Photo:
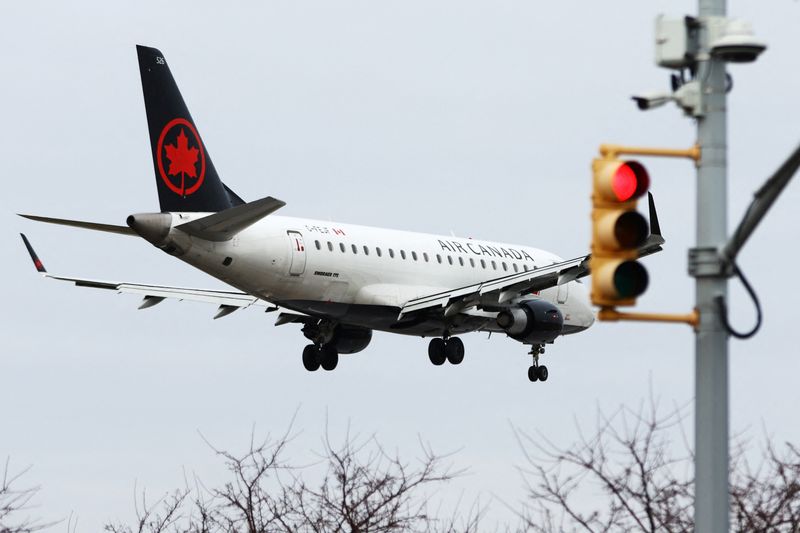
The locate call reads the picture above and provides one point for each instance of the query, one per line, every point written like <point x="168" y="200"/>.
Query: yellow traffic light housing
<point x="618" y="230"/>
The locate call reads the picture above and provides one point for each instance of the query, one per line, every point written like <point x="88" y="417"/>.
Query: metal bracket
<point x="706" y="262"/>
<point x="610" y="314"/>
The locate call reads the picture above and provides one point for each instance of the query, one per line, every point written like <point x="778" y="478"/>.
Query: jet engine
<point x="350" y="339"/>
<point x="532" y="321"/>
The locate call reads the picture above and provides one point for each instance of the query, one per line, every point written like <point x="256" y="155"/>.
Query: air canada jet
<point x="338" y="281"/>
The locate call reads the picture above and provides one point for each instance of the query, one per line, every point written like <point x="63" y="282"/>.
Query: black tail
<point x="185" y="176"/>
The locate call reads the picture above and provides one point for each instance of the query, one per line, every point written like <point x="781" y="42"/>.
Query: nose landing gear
<point x="537" y="372"/>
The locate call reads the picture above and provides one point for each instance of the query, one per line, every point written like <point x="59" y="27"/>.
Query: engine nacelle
<point x="350" y="339"/>
<point x="532" y="321"/>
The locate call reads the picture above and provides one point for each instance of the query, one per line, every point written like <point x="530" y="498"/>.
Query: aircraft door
<point x="563" y="293"/>
<point x="298" y="247"/>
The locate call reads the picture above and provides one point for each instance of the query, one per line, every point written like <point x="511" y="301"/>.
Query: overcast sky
<point x="479" y="118"/>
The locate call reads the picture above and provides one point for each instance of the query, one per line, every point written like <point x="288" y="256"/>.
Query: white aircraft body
<point x="340" y="281"/>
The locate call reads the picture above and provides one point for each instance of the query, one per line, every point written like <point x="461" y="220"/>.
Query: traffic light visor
<point x="630" y="180"/>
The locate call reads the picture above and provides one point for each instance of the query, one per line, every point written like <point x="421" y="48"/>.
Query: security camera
<point x="651" y="100"/>
<point x="737" y="44"/>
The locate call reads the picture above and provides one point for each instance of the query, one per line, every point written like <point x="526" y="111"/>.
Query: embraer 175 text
<point x="339" y="281"/>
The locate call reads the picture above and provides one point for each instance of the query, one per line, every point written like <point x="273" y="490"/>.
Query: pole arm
<point x="762" y="201"/>
<point x="613" y="150"/>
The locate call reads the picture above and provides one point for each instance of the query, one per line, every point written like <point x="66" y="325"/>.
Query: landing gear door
<point x="563" y="293"/>
<point x="298" y="259"/>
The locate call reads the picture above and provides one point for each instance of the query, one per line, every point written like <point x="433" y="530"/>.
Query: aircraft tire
<point x="533" y="374"/>
<point x="310" y="358"/>
<point x="542" y="373"/>
<point x="329" y="357"/>
<point x="436" y="351"/>
<point x="454" y="350"/>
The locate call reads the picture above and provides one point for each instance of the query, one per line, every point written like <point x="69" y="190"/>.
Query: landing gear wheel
<point x="436" y="351"/>
<point x="533" y="373"/>
<point x="328" y="357"/>
<point x="310" y="358"/>
<point x="454" y="350"/>
<point x="542" y="373"/>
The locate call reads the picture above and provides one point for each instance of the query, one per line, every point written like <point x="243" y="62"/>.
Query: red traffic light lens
<point x="630" y="181"/>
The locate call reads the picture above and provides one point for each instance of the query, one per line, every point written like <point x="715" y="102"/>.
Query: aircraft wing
<point x="501" y="290"/>
<point x="497" y="292"/>
<point x="228" y="301"/>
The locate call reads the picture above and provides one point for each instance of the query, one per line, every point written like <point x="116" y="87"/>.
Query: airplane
<point x="340" y="282"/>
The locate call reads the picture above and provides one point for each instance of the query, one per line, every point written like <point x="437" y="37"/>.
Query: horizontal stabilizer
<point x="224" y="225"/>
<point x="108" y="228"/>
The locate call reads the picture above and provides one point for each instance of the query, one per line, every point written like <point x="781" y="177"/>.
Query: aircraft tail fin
<point x="185" y="176"/>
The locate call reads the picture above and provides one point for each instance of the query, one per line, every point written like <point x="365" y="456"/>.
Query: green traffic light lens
<point x="630" y="279"/>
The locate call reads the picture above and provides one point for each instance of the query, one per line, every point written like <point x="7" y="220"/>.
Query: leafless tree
<point x="14" y="501"/>
<point x="767" y="498"/>
<point x="627" y="476"/>
<point x="362" y="489"/>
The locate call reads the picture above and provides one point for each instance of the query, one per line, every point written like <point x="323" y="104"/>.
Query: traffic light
<point x="618" y="230"/>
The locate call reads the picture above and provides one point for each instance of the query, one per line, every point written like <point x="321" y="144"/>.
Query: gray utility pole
<point x="711" y="342"/>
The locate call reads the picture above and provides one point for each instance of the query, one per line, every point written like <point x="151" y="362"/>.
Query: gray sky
<point x="475" y="117"/>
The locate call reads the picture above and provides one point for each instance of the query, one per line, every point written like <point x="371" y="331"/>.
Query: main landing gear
<point x="324" y="356"/>
<point x="447" y="349"/>
<point x="537" y="372"/>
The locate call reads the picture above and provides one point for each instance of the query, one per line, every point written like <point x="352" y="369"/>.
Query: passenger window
<point x="472" y="262"/>
<point x="342" y="247"/>
<point x="505" y="267"/>
<point x="330" y="246"/>
<point x="403" y="254"/>
<point x="483" y="264"/>
<point x="494" y="265"/>
<point x="425" y="256"/>
<point x="461" y="261"/>
<point x="525" y="267"/>
<point x="414" y="256"/>
<point x="439" y="258"/>
<point x="391" y="253"/>
<point x="378" y="251"/>
<point x="516" y="268"/>
<point x="355" y="249"/>
<point x="450" y="259"/>
<point x="319" y="247"/>
<point x="366" y="250"/>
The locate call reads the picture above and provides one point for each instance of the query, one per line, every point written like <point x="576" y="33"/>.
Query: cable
<point x="723" y="308"/>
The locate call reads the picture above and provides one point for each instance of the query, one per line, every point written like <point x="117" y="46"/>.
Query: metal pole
<point x="711" y="343"/>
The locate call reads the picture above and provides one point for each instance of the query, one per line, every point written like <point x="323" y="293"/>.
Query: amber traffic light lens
<point x="631" y="230"/>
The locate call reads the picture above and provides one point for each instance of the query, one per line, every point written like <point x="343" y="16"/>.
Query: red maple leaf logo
<point x="182" y="159"/>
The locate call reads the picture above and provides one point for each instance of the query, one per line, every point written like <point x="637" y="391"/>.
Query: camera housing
<point x="736" y="43"/>
<point x="651" y="100"/>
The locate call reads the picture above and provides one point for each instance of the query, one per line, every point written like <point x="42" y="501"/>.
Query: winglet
<point x="35" y="258"/>
<point x="655" y="239"/>
<point x="655" y="228"/>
